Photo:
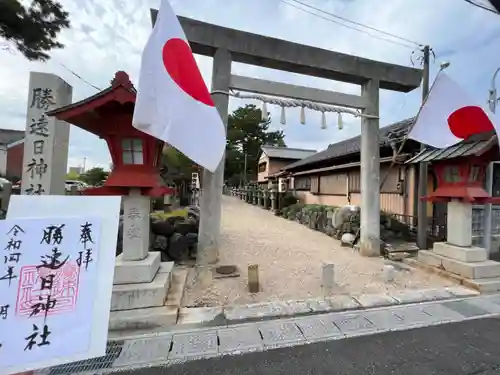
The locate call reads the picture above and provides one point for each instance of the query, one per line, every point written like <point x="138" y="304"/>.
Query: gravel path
<point x="290" y="257"/>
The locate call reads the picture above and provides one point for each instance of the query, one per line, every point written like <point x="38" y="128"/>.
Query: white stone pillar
<point x="136" y="209"/>
<point x="370" y="173"/>
<point x="459" y="223"/>
<point x="46" y="142"/>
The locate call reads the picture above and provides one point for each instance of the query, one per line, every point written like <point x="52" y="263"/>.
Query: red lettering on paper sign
<point x="64" y="289"/>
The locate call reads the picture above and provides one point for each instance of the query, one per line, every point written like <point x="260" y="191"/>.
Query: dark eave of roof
<point x="472" y="147"/>
<point x="351" y="145"/>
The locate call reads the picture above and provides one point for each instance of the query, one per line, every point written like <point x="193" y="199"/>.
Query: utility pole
<point x="487" y="212"/>
<point x="422" y="168"/>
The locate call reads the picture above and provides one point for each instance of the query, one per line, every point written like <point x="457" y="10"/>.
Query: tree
<point x="246" y="134"/>
<point x="72" y="176"/>
<point x="94" y="177"/>
<point x="176" y="170"/>
<point x="34" y="28"/>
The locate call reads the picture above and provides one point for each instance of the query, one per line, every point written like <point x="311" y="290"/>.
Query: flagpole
<point x="422" y="168"/>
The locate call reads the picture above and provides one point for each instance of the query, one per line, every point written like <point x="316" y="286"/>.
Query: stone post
<point x="254" y="196"/>
<point x="6" y="193"/>
<point x="136" y="208"/>
<point x="46" y="141"/>
<point x="459" y="223"/>
<point x="273" y="201"/>
<point x="259" y="197"/>
<point x="370" y="170"/>
<point x="211" y="201"/>
<point x="136" y="264"/>
<point x="266" y="193"/>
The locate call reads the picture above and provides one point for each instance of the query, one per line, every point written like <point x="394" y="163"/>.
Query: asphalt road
<point x="471" y="348"/>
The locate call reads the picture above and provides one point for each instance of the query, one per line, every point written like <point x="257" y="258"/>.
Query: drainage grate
<point x="113" y="350"/>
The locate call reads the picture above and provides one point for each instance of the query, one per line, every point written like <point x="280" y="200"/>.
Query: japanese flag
<point x="173" y="103"/>
<point x="449" y="115"/>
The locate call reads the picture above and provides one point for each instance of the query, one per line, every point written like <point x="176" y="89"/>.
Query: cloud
<point x="108" y="35"/>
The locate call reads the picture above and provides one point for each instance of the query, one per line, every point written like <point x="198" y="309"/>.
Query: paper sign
<point x="48" y="281"/>
<point x="84" y="321"/>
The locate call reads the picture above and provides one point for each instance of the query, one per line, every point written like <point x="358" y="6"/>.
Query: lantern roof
<point x="117" y="98"/>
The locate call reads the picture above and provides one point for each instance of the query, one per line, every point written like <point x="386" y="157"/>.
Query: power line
<point x="482" y="6"/>
<point x="79" y="77"/>
<point x="354" y="23"/>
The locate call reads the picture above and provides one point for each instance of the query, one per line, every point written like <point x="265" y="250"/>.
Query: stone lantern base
<point x="141" y="280"/>
<point x="467" y="263"/>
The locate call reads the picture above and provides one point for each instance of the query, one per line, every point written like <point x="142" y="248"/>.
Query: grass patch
<point x="164" y="215"/>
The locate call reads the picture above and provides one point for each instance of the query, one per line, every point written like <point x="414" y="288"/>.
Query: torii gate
<point x="226" y="45"/>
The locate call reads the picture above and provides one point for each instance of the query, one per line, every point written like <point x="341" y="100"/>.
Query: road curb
<point x="200" y="317"/>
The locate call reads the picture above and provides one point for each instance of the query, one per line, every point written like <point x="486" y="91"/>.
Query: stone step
<point x="490" y="285"/>
<point x="177" y="287"/>
<point x="137" y="271"/>
<point x="464" y="254"/>
<point x="477" y="270"/>
<point x="143" y="295"/>
<point x="129" y="322"/>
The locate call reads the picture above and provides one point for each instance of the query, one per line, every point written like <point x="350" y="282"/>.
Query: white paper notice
<point x="48" y="285"/>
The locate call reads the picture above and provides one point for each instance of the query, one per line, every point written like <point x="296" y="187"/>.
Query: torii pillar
<point x="226" y="45"/>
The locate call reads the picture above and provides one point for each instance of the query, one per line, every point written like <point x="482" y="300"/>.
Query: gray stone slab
<point x="436" y="294"/>
<point x="343" y="302"/>
<point x="280" y="333"/>
<point x="254" y="311"/>
<point x="352" y="324"/>
<point x="198" y="315"/>
<point x="485" y="304"/>
<point x="415" y="316"/>
<point x="319" y="305"/>
<point x="146" y="350"/>
<point x="317" y="328"/>
<point x="384" y="319"/>
<point x="409" y="296"/>
<point x="494" y="299"/>
<point x="463" y="308"/>
<point x="238" y="339"/>
<point x="196" y="344"/>
<point x="375" y="300"/>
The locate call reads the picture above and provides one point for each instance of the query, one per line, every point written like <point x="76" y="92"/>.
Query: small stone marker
<point x="328" y="277"/>
<point x="253" y="278"/>
<point x="389" y="273"/>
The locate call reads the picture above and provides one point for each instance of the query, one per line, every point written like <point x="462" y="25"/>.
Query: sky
<point x="108" y="35"/>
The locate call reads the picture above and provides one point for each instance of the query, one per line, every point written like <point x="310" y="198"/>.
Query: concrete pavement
<point x="232" y="341"/>
<point x="466" y="348"/>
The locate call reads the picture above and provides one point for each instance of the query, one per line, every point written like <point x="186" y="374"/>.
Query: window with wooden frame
<point x="315" y="184"/>
<point x="333" y="184"/>
<point x="262" y="167"/>
<point x="302" y="183"/>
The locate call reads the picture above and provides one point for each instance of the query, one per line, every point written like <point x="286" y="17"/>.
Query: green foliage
<point x="288" y="199"/>
<point x="246" y="134"/>
<point x="165" y="215"/>
<point x="72" y="176"/>
<point x="177" y="167"/>
<point x="34" y="28"/>
<point x="290" y="212"/>
<point x="94" y="177"/>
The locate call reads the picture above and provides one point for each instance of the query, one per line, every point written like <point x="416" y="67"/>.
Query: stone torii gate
<point x="226" y="45"/>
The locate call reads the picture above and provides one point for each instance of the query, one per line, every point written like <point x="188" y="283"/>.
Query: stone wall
<point x="176" y="237"/>
<point x="343" y="223"/>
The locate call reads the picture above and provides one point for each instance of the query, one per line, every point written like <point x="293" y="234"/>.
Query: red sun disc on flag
<point x="181" y="66"/>
<point x="470" y="120"/>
